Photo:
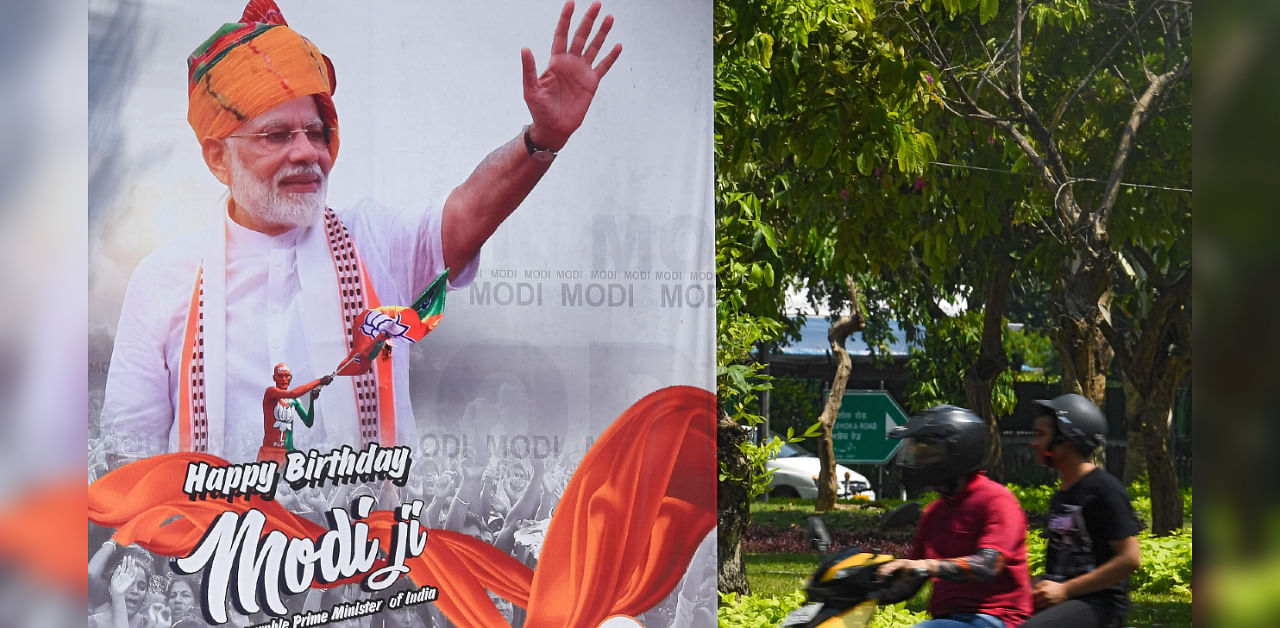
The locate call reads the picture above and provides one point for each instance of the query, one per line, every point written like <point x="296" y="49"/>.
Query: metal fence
<point x="1020" y="465"/>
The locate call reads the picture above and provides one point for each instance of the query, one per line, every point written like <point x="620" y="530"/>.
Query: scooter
<point x="843" y="591"/>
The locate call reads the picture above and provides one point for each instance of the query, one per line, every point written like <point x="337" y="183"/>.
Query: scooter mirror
<point x="903" y="516"/>
<point x="819" y="538"/>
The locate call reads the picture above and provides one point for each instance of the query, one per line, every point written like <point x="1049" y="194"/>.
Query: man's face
<point x="283" y="377"/>
<point x="278" y="185"/>
<point x="1042" y="439"/>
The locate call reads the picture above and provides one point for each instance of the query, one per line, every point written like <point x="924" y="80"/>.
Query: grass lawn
<point x="848" y="515"/>
<point x="778" y="574"/>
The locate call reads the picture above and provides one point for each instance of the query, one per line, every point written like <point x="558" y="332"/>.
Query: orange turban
<point x="250" y="66"/>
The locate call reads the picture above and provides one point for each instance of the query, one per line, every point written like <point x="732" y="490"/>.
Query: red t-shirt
<point x="984" y="514"/>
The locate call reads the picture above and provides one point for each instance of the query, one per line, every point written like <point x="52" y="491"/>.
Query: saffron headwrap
<point x="245" y="68"/>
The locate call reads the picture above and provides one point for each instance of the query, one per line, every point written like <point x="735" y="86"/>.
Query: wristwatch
<point x="540" y="154"/>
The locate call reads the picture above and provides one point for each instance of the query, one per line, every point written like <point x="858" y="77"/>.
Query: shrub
<point x="1166" y="562"/>
<point x="896" y="615"/>
<point x="1035" y="552"/>
<point x="740" y="611"/>
<point x="1034" y="499"/>
<point x="750" y="611"/>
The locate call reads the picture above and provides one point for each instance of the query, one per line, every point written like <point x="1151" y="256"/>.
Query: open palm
<point x="558" y="99"/>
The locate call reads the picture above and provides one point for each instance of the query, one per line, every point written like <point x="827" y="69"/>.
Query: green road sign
<point x="861" y="432"/>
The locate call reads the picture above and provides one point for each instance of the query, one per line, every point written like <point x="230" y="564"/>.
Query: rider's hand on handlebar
<point x="900" y="580"/>
<point x="902" y="567"/>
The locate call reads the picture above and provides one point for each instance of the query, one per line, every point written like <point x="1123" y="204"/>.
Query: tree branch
<point x="1017" y="52"/>
<point x="1154" y="92"/>
<point x="843" y="327"/>
<point x="1168" y="41"/>
<point x="1125" y="81"/>
<point x="1004" y="125"/>
<point x="1161" y="318"/>
<point x="1142" y="58"/>
<point x="1062" y="107"/>
<point x="1008" y="40"/>
<point x="1112" y="328"/>
<point x="1148" y="264"/>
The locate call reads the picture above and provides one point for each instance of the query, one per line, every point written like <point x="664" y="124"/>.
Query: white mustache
<point x="312" y="170"/>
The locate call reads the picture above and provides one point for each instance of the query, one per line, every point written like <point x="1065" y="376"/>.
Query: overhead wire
<point x="1073" y="179"/>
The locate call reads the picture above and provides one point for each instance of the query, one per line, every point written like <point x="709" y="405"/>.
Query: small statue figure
<point x="279" y="406"/>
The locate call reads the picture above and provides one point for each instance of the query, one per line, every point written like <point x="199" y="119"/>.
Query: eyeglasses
<point x="280" y="139"/>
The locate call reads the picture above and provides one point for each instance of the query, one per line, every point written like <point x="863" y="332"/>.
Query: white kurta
<point x="269" y="319"/>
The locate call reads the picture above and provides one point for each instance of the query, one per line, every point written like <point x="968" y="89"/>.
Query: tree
<point x="809" y="101"/>
<point x="1153" y="351"/>
<point x="739" y="235"/>
<point x="1075" y="121"/>
<point x="840" y="330"/>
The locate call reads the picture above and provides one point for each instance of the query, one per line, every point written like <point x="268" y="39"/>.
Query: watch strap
<point x="535" y="151"/>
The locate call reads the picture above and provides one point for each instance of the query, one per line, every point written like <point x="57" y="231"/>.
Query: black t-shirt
<point x="1083" y="521"/>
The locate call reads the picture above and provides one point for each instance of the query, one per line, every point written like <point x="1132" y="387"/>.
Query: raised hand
<point x="558" y="99"/>
<point x="122" y="578"/>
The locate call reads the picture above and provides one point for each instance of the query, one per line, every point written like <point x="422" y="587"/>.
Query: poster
<point x="574" y="364"/>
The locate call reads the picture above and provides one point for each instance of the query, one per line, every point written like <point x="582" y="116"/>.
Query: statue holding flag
<point x="279" y="407"/>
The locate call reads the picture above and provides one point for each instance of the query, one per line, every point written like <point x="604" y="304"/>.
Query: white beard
<point x="264" y="201"/>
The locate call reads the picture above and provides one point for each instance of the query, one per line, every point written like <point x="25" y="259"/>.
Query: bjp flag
<point x="397" y="324"/>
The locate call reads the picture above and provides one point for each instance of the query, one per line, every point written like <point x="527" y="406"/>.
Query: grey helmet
<point x="942" y="444"/>
<point x="1079" y="421"/>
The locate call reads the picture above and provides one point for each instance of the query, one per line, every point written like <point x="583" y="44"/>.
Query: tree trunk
<point x="839" y="332"/>
<point x="1081" y="306"/>
<point x="1084" y="358"/>
<point x="1135" y="456"/>
<point x="733" y="506"/>
<point x="1166" y="499"/>
<point x="980" y="379"/>
<point x="1168" y="368"/>
<point x="1153" y="367"/>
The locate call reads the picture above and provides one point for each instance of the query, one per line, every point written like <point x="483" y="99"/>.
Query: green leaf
<point x="770" y="237"/>
<point x="890" y="74"/>
<point x="986" y="10"/>
<point x="822" y="147"/>
<point x="866" y="159"/>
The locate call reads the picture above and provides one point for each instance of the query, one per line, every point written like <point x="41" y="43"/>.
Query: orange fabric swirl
<point x="633" y="514"/>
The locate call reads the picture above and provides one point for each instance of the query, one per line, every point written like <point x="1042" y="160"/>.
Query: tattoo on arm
<point x="980" y="567"/>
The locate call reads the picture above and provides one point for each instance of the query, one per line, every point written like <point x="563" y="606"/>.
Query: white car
<point x="795" y="474"/>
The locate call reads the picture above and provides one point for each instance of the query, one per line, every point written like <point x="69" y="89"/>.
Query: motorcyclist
<point x="971" y="541"/>
<point x="1092" y="544"/>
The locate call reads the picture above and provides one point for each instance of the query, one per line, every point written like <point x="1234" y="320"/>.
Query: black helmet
<point x="942" y="443"/>
<point x="1079" y="421"/>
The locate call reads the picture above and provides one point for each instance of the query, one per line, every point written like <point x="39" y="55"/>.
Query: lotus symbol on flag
<point x="375" y="326"/>
<point x="377" y="322"/>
